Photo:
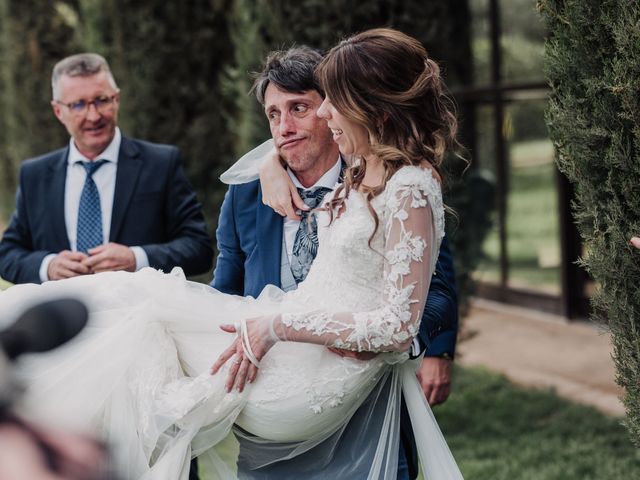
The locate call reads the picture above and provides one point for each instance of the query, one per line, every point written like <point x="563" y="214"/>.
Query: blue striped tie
<point x="89" y="211"/>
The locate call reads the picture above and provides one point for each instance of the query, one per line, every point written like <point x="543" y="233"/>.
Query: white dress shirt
<point x="290" y="227"/>
<point x="105" y="180"/>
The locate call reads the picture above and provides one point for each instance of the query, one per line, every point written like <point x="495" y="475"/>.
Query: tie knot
<point x="92" y="167"/>
<point x="312" y="197"/>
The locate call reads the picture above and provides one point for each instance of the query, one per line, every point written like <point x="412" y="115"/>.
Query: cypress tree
<point x="30" y="44"/>
<point x="169" y="59"/>
<point x="593" y="66"/>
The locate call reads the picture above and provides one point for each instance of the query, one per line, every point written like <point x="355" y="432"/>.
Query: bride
<point x="167" y="366"/>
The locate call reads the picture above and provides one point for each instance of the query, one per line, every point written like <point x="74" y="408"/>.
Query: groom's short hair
<point x="290" y="70"/>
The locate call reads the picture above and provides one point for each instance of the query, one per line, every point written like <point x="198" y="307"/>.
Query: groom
<point x="258" y="247"/>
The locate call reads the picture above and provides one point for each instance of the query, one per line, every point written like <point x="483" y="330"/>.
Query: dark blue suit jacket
<point x="154" y="207"/>
<point x="249" y="240"/>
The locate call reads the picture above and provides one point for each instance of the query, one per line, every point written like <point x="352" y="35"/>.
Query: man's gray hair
<point x="80" y="65"/>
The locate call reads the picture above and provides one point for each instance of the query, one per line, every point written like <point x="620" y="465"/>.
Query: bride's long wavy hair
<point x="384" y="80"/>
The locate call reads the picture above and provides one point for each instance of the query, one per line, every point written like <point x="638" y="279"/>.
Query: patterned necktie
<point x="89" y="211"/>
<point x="305" y="245"/>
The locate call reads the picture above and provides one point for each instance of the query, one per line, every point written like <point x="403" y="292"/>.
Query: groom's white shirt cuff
<point x="44" y="267"/>
<point x="142" y="260"/>
<point x="415" y="351"/>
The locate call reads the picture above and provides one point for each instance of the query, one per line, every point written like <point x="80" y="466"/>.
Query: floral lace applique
<point x="412" y="222"/>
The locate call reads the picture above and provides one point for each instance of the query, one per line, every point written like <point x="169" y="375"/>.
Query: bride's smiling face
<point x="351" y="137"/>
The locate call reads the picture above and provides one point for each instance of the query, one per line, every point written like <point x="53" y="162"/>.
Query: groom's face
<point x="303" y="140"/>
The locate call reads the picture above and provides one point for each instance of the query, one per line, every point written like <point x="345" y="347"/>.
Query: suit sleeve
<point x="188" y="245"/>
<point x="228" y="276"/>
<point x="439" y="326"/>
<point x="19" y="263"/>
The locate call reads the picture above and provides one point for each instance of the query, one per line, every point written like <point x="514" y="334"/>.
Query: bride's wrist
<point x="270" y="164"/>
<point x="275" y="329"/>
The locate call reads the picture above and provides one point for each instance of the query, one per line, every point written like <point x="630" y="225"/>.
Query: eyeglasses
<point x="103" y="104"/>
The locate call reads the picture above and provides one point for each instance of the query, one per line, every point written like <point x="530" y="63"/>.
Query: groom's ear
<point x="57" y="110"/>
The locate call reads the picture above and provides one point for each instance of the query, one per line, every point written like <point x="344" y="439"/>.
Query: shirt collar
<point x="110" y="153"/>
<point x="328" y="180"/>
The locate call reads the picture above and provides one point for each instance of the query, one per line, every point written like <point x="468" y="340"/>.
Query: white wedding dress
<point x="139" y="373"/>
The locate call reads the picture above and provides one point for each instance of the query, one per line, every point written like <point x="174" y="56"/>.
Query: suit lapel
<point x="55" y="199"/>
<point x="127" y="173"/>
<point x="269" y="238"/>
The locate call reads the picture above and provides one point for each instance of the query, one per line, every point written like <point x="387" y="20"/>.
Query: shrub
<point x="593" y="65"/>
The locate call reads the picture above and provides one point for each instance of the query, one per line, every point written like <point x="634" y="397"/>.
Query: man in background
<point x="105" y="202"/>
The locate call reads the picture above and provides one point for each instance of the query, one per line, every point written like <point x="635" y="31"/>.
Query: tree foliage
<point x="29" y="46"/>
<point x="593" y="65"/>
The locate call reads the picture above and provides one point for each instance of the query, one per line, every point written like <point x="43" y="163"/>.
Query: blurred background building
<point x="529" y="255"/>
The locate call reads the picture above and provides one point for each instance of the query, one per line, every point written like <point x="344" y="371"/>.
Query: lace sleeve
<point x="410" y="238"/>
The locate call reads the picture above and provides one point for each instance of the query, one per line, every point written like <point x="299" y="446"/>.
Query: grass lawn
<point x="497" y="431"/>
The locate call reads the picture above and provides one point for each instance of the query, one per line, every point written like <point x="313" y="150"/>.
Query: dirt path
<point x="539" y="350"/>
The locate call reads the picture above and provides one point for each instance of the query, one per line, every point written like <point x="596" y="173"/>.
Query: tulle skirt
<point x="138" y="375"/>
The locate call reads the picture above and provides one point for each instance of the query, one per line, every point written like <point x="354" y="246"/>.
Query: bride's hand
<point x="260" y="338"/>
<point x="278" y="191"/>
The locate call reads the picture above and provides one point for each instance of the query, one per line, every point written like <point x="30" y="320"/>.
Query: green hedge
<point x="593" y="65"/>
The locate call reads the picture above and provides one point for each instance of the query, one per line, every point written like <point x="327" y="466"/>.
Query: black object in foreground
<point x="44" y="327"/>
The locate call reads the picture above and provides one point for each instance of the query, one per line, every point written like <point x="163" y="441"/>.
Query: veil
<point x="245" y="170"/>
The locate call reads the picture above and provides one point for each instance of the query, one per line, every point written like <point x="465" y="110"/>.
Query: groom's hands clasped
<point x="260" y="336"/>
